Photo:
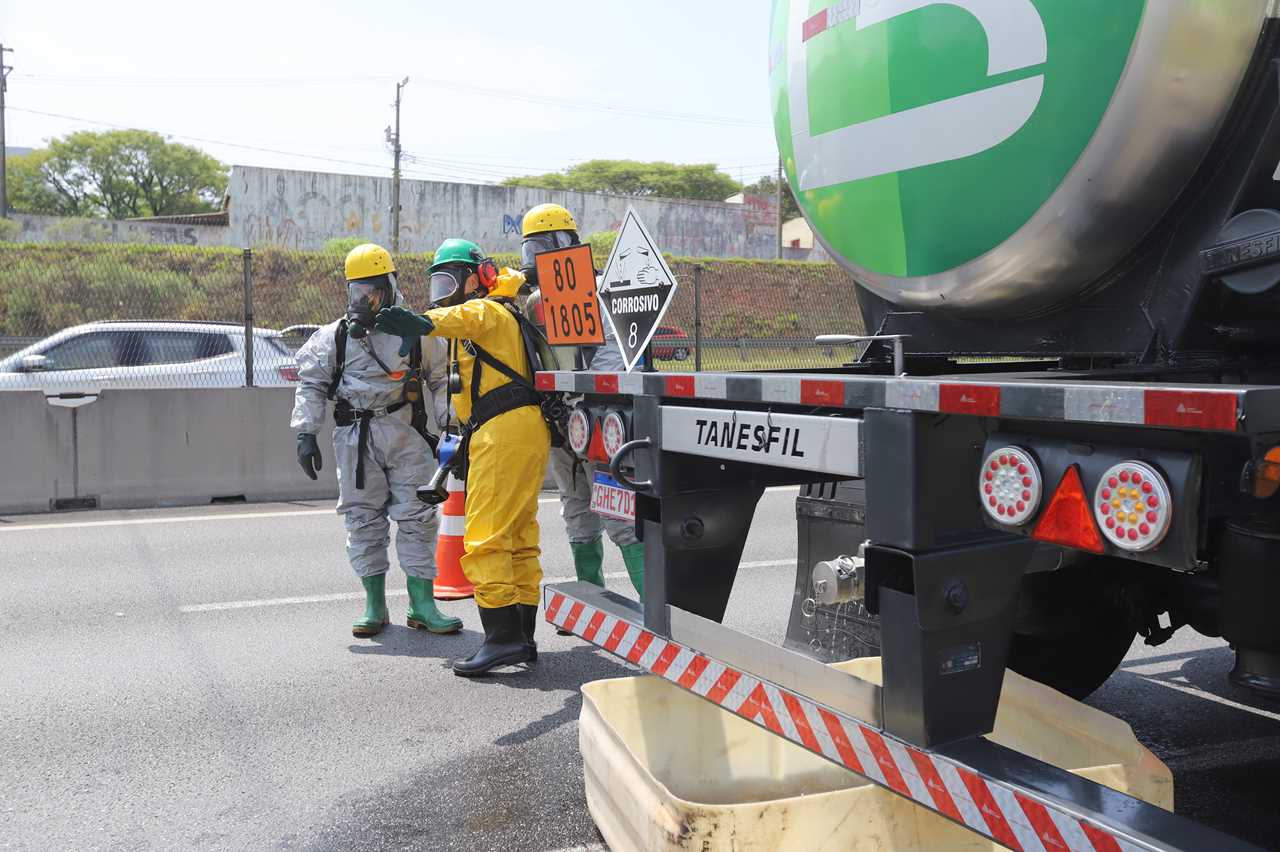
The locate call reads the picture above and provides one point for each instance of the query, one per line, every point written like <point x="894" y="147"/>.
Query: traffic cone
<point x="451" y="583"/>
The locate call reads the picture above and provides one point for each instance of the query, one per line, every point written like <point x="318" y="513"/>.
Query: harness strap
<point x="345" y="415"/>
<point x="340" y="344"/>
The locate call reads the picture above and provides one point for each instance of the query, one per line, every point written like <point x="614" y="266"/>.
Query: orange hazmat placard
<point x="567" y="281"/>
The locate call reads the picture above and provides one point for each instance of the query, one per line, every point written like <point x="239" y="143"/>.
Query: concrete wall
<point x="58" y="229"/>
<point x="139" y="448"/>
<point x="303" y="209"/>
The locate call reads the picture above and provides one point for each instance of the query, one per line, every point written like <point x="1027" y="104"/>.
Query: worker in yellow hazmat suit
<point x="506" y="437"/>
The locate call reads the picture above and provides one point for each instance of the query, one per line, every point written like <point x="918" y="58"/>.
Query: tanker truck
<point x="1062" y="220"/>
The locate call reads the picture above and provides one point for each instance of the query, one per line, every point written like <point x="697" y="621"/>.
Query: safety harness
<point x="519" y="391"/>
<point x="411" y="390"/>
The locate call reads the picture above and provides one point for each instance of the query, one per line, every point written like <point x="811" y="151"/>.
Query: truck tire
<point x="1072" y="648"/>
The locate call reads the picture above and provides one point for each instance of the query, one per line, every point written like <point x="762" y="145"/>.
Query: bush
<point x="47" y="287"/>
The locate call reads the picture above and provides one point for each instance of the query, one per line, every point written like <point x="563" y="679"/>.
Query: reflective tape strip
<point x="1104" y="405"/>
<point x="453" y="525"/>
<point x="1161" y="407"/>
<point x="983" y="400"/>
<point x="912" y="394"/>
<point x="679" y="385"/>
<point x="779" y="389"/>
<point x="1214" y="410"/>
<point x="710" y="386"/>
<point x="822" y="392"/>
<point x="631" y="383"/>
<point x="994" y="808"/>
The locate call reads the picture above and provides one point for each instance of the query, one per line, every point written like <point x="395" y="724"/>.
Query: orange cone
<point x="451" y="583"/>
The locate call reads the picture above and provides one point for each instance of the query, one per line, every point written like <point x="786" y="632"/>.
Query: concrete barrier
<point x="37" y="452"/>
<point x="182" y="447"/>
<point x="129" y="449"/>
<point x="143" y="448"/>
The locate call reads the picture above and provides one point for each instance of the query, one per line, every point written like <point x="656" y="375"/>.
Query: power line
<point x="203" y="139"/>
<point x="329" y="80"/>
<point x="446" y="168"/>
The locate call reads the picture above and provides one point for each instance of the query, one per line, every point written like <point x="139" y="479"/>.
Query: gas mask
<point x="448" y="286"/>
<point x="536" y="244"/>
<point x="365" y="297"/>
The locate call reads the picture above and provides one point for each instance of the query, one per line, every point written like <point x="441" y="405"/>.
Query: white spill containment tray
<point x="667" y="770"/>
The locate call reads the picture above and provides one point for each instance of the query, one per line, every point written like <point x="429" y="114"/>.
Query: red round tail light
<point x="579" y="429"/>
<point x="1010" y="487"/>
<point x="1133" y="505"/>
<point x="614" y="431"/>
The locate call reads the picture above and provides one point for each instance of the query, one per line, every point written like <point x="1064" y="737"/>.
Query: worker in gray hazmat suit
<point x="382" y="442"/>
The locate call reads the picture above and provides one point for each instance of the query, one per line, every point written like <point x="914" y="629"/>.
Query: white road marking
<point x="301" y="599"/>
<point x="232" y="516"/>
<point x="352" y="596"/>
<point x="1188" y="689"/>
<point x="180" y="519"/>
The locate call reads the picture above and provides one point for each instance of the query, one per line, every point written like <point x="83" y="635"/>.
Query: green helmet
<point x="455" y="250"/>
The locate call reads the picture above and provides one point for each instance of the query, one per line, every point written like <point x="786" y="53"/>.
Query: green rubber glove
<point x="403" y="323"/>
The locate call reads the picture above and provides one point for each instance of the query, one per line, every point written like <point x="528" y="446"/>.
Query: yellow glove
<point x="509" y="283"/>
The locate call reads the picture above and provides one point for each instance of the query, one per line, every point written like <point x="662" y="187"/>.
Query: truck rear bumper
<point x="1000" y="794"/>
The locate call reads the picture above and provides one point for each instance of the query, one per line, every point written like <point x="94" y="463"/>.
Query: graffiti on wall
<point x="304" y="210"/>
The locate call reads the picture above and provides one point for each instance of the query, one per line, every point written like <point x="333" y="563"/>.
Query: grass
<point x="731" y="361"/>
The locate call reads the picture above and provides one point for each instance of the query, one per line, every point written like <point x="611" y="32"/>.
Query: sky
<point x="495" y="89"/>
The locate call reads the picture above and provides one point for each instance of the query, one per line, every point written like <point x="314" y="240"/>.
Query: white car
<point x="142" y="354"/>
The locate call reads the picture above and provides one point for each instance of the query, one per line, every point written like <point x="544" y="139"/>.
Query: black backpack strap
<point x="340" y="345"/>
<point x="486" y="357"/>
<point x="415" y="394"/>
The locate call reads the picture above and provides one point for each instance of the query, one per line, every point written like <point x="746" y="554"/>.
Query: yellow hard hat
<point x="368" y="260"/>
<point x="547" y="217"/>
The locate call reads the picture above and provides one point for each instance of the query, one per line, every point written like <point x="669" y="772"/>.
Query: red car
<point x="670" y="342"/>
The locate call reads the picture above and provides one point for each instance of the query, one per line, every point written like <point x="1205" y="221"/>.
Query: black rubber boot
<point x="504" y="643"/>
<point x="529" y="621"/>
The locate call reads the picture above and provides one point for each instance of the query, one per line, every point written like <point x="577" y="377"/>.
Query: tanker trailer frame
<point x="943" y="564"/>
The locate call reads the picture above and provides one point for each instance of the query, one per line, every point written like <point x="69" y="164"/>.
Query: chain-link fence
<point x="736" y="315"/>
<point x="128" y="316"/>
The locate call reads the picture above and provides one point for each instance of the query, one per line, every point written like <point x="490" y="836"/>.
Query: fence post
<point x="697" y="318"/>
<point x="248" y="318"/>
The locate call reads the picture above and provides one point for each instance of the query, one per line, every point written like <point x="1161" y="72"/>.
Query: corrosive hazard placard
<point x="567" y="282"/>
<point x="636" y="289"/>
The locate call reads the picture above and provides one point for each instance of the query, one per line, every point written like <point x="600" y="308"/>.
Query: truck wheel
<point x="1074" y="647"/>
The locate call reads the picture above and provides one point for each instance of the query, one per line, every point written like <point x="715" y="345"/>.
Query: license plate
<point x="611" y="500"/>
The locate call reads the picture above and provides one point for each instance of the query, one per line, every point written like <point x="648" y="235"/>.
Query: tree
<point x="119" y="174"/>
<point x="768" y="187"/>
<point x="631" y="177"/>
<point x="28" y="190"/>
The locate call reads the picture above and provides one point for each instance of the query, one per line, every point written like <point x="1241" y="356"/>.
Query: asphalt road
<point x="186" y="678"/>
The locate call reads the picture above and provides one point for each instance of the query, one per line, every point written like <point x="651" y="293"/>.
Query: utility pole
<point x="4" y="151"/>
<point x="779" y="203"/>
<point x="395" y="173"/>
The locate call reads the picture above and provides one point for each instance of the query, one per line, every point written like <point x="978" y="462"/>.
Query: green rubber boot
<point x="588" y="561"/>
<point x="633" y="558"/>
<point x="588" y="564"/>
<point x="423" y="614"/>
<point x="375" y="607"/>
